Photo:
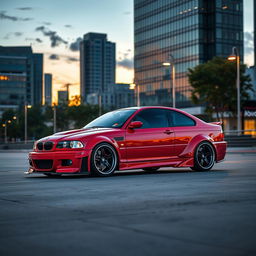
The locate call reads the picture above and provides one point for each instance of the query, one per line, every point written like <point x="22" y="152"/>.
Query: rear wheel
<point x="204" y="157"/>
<point x="150" y="169"/>
<point x="103" y="160"/>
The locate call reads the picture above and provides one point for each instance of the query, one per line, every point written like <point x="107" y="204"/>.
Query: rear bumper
<point x="59" y="162"/>
<point x="221" y="148"/>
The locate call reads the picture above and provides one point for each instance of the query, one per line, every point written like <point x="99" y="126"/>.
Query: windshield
<point x="114" y="119"/>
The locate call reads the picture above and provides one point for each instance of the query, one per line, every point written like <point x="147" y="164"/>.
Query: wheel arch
<point x="98" y="140"/>
<point x="192" y="145"/>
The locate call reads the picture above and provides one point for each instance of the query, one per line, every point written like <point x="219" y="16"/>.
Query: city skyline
<point x="51" y="29"/>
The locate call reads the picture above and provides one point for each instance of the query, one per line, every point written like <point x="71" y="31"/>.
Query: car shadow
<point x="137" y="172"/>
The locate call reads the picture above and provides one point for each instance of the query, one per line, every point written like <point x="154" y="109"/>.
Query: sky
<point x="53" y="27"/>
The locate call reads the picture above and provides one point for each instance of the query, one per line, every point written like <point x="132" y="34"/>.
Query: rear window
<point x="179" y="119"/>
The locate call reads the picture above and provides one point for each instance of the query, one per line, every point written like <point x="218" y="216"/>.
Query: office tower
<point x="62" y="97"/>
<point x="97" y="66"/>
<point x="186" y="32"/>
<point x="48" y="89"/>
<point x="20" y="77"/>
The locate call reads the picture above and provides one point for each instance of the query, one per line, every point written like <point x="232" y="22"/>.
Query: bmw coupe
<point x="145" y="138"/>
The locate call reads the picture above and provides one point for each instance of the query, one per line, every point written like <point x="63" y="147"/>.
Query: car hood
<point x="79" y="134"/>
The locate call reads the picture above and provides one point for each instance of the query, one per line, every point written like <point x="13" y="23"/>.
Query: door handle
<point x="168" y="132"/>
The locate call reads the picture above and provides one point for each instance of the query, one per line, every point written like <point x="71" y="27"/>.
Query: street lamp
<point x="26" y="122"/>
<point x="5" y="132"/>
<point x="170" y="62"/>
<point x="235" y="56"/>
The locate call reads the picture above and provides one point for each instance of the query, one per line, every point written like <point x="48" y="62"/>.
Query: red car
<point x="139" y="137"/>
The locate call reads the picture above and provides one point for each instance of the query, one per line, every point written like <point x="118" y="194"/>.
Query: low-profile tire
<point x="204" y="157"/>
<point x="104" y="160"/>
<point x="151" y="169"/>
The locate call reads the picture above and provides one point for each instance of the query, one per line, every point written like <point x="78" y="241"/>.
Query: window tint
<point x="178" y="119"/>
<point x="152" y="118"/>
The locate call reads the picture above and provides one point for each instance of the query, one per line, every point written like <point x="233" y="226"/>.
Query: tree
<point x="214" y="85"/>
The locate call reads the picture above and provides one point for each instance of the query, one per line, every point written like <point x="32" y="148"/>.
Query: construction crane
<point x="66" y="86"/>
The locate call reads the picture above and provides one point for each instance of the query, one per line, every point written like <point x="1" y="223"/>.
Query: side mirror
<point x="135" y="124"/>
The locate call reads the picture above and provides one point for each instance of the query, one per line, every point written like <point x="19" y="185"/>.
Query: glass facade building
<point x="192" y="31"/>
<point x="97" y="65"/>
<point x="21" y="76"/>
<point x="48" y="89"/>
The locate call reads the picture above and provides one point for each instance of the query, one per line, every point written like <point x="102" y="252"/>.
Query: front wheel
<point x="204" y="157"/>
<point x="103" y="160"/>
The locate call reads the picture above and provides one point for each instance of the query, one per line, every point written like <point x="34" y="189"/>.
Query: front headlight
<point x="70" y="144"/>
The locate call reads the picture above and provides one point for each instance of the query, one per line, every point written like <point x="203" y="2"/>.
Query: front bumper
<point x="59" y="162"/>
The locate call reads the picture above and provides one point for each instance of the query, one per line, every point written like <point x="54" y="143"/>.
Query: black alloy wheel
<point x="103" y="160"/>
<point x="204" y="157"/>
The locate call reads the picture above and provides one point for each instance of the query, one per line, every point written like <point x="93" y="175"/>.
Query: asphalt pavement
<point x="171" y="212"/>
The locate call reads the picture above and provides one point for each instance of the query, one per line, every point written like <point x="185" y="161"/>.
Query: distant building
<point x="97" y="67"/>
<point x="124" y="96"/>
<point x="48" y="89"/>
<point x="21" y="77"/>
<point x="62" y="97"/>
<point x="192" y="31"/>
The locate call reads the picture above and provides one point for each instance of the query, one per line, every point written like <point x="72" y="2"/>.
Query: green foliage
<point x="214" y="85"/>
<point x="40" y="120"/>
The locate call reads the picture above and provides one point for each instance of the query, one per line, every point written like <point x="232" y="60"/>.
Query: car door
<point x="151" y="141"/>
<point x="184" y="129"/>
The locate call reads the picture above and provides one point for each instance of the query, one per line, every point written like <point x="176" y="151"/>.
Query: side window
<point x="179" y="119"/>
<point x="152" y="118"/>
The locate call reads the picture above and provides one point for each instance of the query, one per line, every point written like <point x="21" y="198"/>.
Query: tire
<point x="151" y="169"/>
<point x="104" y="160"/>
<point x="204" y="157"/>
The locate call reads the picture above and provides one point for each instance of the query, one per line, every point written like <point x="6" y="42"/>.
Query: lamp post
<point x="170" y="62"/>
<point x="26" y="122"/>
<point x="54" y="119"/>
<point x="232" y="57"/>
<point x="5" y="132"/>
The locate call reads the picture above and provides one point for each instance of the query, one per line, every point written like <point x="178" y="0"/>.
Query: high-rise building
<point x="62" y="97"/>
<point x="48" y="89"/>
<point x="38" y="60"/>
<point x="124" y="96"/>
<point x="97" y="65"/>
<point x="192" y="32"/>
<point x="21" y="76"/>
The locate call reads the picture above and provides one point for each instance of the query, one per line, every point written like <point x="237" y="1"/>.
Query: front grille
<point x="43" y="164"/>
<point x="48" y="145"/>
<point x="40" y="145"/>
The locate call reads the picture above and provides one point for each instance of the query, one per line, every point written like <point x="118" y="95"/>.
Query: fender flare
<point x="97" y="140"/>
<point x="190" y="149"/>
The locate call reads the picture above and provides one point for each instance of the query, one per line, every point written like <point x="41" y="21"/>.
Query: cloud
<point x="55" y="39"/>
<point x="18" y="34"/>
<point x="4" y="16"/>
<point x="38" y="40"/>
<point x="68" y="26"/>
<point x="248" y="42"/>
<point x="72" y="59"/>
<point x="47" y="23"/>
<point x="54" y="57"/>
<point x="75" y="45"/>
<point x="24" y="8"/>
<point x="125" y="63"/>
<point x="10" y="34"/>
<point x="127" y="13"/>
